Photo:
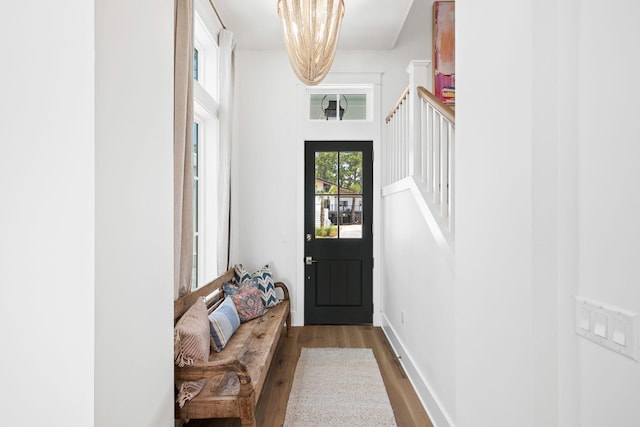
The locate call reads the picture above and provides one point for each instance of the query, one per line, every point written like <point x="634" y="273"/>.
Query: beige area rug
<point x="338" y="387"/>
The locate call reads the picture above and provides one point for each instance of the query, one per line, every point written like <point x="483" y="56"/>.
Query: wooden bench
<point x="236" y="374"/>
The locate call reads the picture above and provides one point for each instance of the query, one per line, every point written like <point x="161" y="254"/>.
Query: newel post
<point x="419" y="75"/>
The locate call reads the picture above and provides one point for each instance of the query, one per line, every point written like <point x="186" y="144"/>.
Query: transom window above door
<point x="340" y="104"/>
<point x="338" y="107"/>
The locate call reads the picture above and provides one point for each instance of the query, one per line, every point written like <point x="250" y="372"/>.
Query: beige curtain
<point x="182" y="148"/>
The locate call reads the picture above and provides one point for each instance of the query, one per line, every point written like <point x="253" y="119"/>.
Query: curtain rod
<point x="217" y="14"/>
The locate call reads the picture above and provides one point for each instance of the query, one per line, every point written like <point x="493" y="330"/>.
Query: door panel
<point x="338" y="238"/>
<point x="337" y="277"/>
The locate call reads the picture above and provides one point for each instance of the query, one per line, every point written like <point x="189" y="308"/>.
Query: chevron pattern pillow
<point x="264" y="279"/>
<point x="241" y="274"/>
<point x="265" y="284"/>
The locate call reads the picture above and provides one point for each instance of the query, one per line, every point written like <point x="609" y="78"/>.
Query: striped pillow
<point x="223" y="323"/>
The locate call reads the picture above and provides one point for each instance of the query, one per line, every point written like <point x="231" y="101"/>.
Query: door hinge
<point x="373" y="262"/>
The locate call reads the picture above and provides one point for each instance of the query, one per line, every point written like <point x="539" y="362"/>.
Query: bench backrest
<point x="213" y="293"/>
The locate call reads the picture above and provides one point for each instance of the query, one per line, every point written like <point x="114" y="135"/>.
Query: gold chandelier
<point x="311" y="29"/>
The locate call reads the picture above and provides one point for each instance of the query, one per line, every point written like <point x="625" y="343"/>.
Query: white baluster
<point x="436" y="157"/>
<point x="444" y="167"/>
<point x="452" y="156"/>
<point x="429" y="147"/>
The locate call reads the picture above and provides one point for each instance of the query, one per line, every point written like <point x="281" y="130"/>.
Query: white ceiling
<point x="367" y="24"/>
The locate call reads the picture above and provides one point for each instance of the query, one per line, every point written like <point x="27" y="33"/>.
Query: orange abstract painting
<point x="444" y="52"/>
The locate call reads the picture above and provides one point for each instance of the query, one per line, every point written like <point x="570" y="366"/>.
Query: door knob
<point x="309" y="260"/>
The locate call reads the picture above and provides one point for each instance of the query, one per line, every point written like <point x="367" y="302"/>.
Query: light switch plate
<point x="611" y="327"/>
<point x="619" y="337"/>
<point x="601" y="323"/>
<point x="583" y="318"/>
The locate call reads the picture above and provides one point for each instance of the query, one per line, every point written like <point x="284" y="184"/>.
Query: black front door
<point x="338" y="233"/>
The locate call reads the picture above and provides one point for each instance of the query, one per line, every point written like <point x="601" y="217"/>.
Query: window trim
<point x="206" y="110"/>
<point x="338" y="90"/>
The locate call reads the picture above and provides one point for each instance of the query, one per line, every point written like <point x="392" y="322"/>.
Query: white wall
<point x="545" y="207"/>
<point x="413" y="43"/>
<point x="264" y="175"/>
<point x="134" y="213"/>
<point x="46" y="220"/>
<point x="419" y="281"/>
<point x="494" y="303"/>
<point x="568" y="241"/>
<point x="609" y="206"/>
<point x="546" y="210"/>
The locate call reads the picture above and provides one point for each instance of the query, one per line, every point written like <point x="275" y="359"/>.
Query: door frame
<point x="319" y="130"/>
<point x="341" y="251"/>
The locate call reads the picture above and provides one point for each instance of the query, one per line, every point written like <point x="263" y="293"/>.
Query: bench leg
<point x="247" y="411"/>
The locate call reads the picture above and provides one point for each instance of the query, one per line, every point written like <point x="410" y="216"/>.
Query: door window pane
<point x="338" y="195"/>
<point x="326" y="216"/>
<point x="351" y="172"/>
<point x="350" y="217"/>
<point x="327" y="171"/>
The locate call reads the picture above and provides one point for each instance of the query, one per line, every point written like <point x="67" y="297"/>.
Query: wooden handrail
<point x="398" y="104"/>
<point x="448" y="112"/>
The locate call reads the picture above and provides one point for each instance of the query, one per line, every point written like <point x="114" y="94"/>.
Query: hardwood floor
<point x="275" y="394"/>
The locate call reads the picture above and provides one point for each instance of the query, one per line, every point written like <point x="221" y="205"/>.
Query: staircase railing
<point x="437" y="139"/>
<point x="398" y="122"/>
<point x="420" y="149"/>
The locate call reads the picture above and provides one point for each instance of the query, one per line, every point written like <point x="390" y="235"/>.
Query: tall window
<point x="195" y="64"/>
<point x="205" y="144"/>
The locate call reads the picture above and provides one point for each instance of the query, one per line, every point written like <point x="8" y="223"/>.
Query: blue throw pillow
<point x="223" y="323"/>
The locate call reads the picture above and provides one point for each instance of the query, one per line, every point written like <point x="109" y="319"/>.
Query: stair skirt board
<point x="430" y="401"/>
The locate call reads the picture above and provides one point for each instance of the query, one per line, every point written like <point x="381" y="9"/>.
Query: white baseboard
<point x="430" y="401"/>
